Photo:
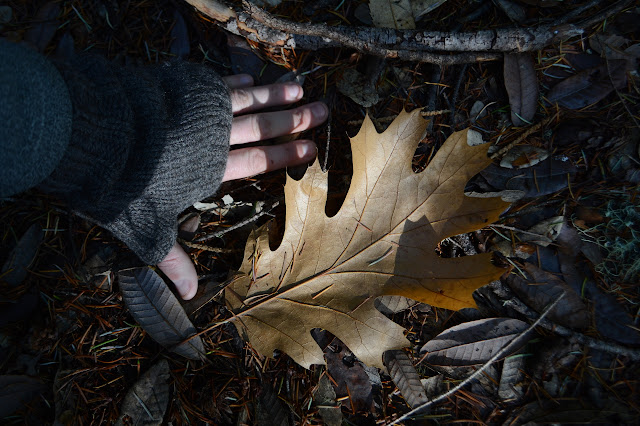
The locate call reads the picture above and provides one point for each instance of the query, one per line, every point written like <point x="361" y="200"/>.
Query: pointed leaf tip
<point x="159" y="312"/>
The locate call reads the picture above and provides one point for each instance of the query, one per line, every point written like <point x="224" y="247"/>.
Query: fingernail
<point x="184" y="288"/>
<point x="307" y="150"/>
<point x="319" y="110"/>
<point x="293" y="91"/>
<point x="244" y="79"/>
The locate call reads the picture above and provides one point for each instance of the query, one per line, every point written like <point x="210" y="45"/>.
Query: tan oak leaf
<point x="328" y="271"/>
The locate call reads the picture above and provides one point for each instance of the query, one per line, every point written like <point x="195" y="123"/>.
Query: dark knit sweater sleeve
<point x="146" y="143"/>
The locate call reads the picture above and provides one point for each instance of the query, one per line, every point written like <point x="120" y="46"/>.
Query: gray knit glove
<point x="146" y="144"/>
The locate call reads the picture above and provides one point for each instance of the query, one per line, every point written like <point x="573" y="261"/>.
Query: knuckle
<point x="256" y="127"/>
<point x="240" y="98"/>
<point x="257" y="160"/>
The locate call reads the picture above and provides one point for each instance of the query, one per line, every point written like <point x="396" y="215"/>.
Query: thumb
<point x="178" y="267"/>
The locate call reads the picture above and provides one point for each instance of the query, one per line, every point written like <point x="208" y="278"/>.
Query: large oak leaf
<point x="327" y="271"/>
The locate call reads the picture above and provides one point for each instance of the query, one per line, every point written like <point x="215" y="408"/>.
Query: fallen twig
<point x="505" y="349"/>
<point x="411" y="45"/>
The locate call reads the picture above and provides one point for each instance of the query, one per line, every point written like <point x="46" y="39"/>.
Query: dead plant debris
<point x="71" y="352"/>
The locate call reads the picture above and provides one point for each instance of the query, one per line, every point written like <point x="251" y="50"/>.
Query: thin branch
<point x="516" y="340"/>
<point x="410" y="45"/>
<point x="590" y="342"/>
<point x="234" y="227"/>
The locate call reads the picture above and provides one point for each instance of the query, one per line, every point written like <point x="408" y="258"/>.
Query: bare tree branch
<point x="411" y="45"/>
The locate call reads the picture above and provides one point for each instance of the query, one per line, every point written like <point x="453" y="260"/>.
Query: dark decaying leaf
<point x="324" y="398"/>
<point x="358" y="87"/>
<point x="180" y="45"/>
<point x="159" y="313"/>
<point x="45" y="25"/>
<point x="243" y="60"/>
<point x="544" y="178"/>
<point x="589" y="86"/>
<point x="146" y="402"/>
<point x="510" y="387"/>
<point x="6" y="13"/>
<point x="522" y="86"/>
<point x="19" y="309"/>
<point x="542" y="289"/>
<point x="434" y="386"/>
<point x="513" y="10"/>
<point x="406" y="377"/>
<point x="16" y="391"/>
<point x="270" y="411"/>
<point x="601" y="369"/>
<point x="422" y="7"/>
<point x="65" y="50"/>
<point x="206" y="293"/>
<point x="349" y="376"/>
<point x="14" y="270"/>
<point x="566" y="411"/>
<point x="472" y="343"/>
<point x="97" y="268"/>
<point x="613" y="321"/>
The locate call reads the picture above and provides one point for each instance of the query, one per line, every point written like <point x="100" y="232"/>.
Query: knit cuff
<point x="146" y="144"/>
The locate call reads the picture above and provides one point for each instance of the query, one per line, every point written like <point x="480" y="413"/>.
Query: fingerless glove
<point x="145" y="144"/>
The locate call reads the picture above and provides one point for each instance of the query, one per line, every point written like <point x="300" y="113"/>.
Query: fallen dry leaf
<point x="522" y="86"/>
<point x="406" y="377"/>
<point x="146" y="401"/>
<point x="159" y="313"/>
<point x="473" y="342"/>
<point x="396" y="14"/>
<point x="327" y="271"/>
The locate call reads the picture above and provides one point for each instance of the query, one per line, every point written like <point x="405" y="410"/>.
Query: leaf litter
<point x="103" y="351"/>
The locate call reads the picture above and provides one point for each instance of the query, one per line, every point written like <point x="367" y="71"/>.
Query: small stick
<point x="482" y="369"/>
<point x="523" y="136"/>
<point x="237" y="225"/>
<point x="205" y="247"/>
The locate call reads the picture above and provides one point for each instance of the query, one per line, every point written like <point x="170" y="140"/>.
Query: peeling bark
<point x="438" y="47"/>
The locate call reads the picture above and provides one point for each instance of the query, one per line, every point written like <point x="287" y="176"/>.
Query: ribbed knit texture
<point x="35" y="118"/>
<point x="146" y="144"/>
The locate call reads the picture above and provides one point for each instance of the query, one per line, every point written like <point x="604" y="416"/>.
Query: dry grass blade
<point x="146" y="402"/>
<point x="405" y="376"/>
<point x="159" y="312"/>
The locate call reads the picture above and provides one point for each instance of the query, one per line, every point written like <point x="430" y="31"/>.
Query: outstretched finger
<point x="253" y="98"/>
<point x="266" y="125"/>
<point x="247" y="162"/>
<point x="238" y="81"/>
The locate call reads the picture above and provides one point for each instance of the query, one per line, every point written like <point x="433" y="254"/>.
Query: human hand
<point x="245" y="162"/>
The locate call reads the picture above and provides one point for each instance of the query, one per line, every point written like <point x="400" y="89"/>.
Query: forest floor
<point x="70" y="351"/>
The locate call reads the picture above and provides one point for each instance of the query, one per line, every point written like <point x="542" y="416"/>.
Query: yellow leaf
<point x="328" y="271"/>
